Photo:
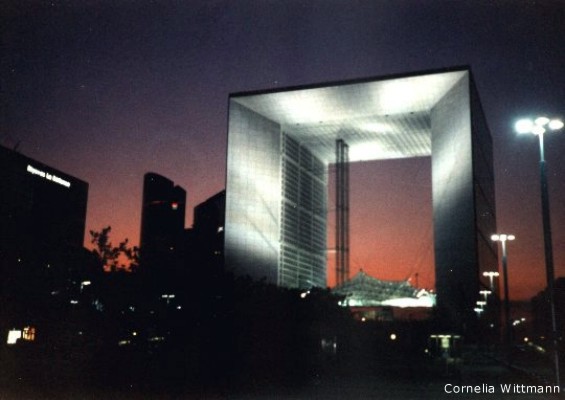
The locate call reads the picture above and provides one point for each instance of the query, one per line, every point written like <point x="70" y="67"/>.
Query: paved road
<point x="388" y="379"/>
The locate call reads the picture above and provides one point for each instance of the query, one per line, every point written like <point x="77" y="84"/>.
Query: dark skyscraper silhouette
<point x="42" y="223"/>
<point x="162" y="222"/>
<point x="39" y="205"/>
<point x="208" y="230"/>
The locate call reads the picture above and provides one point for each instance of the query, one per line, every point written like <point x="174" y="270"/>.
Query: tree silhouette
<point x="112" y="257"/>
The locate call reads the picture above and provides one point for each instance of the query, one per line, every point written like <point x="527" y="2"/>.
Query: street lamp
<point x="502" y="238"/>
<point x="478" y="310"/>
<point x="538" y="127"/>
<point x="491" y="275"/>
<point x="485" y="293"/>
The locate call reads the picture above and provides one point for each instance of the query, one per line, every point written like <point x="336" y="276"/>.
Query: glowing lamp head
<point x="555" y="124"/>
<point x="524" y="126"/>
<point x="538" y="126"/>
<point x="541" y="121"/>
<point x="538" y="130"/>
<point x="502" y="237"/>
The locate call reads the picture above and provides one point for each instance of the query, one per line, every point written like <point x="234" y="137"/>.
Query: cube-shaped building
<point x="281" y="142"/>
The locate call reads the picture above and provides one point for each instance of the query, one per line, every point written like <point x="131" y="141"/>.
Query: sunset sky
<point x="109" y="90"/>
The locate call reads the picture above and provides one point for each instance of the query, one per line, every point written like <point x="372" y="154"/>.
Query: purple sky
<point x="107" y="91"/>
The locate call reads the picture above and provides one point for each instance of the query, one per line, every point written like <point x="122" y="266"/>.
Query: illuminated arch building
<point x="280" y="143"/>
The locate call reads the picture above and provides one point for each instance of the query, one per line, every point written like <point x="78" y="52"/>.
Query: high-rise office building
<point x="208" y="230"/>
<point x="162" y="223"/>
<point x="40" y="207"/>
<point x="281" y="142"/>
<point x="42" y="224"/>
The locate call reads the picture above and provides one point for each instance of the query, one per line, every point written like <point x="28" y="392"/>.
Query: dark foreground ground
<point x="388" y="375"/>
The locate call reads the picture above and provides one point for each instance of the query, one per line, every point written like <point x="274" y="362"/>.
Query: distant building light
<point x="445" y="336"/>
<point x="123" y="342"/>
<point x="83" y="284"/>
<point x="29" y="333"/>
<point x="74" y="302"/>
<point x="98" y="305"/>
<point x="179" y="307"/>
<point x="13" y="336"/>
<point x="175" y="205"/>
<point x="220" y="229"/>
<point x="134" y="333"/>
<point x="167" y="296"/>
<point x="156" y="339"/>
<point x="393" y="336"/>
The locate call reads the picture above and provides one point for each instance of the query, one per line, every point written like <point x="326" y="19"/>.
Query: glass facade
<point x="253" y="195"/>
<point x="303" y="217"/>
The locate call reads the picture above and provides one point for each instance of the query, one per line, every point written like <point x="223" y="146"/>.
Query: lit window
<point x="29" y="333"/>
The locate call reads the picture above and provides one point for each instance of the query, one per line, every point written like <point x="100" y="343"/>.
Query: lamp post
<point x="538" y="127"/>
<point x="485" y="293"/>
<point x="502" y="238"/>
<point x="491" y="275"/>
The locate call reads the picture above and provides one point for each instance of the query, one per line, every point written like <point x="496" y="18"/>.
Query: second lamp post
<point x="502" y="238"/>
